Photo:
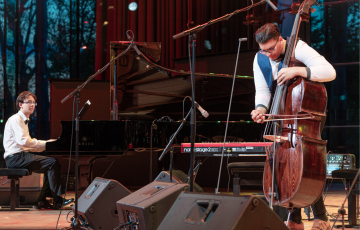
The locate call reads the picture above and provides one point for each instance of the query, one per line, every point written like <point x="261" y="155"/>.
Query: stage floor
<point x="46" y="219"/>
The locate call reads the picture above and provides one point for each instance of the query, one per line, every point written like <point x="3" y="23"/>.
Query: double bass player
<point x="267" y="75"/>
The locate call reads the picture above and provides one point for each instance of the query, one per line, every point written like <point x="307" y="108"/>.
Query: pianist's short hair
<point x="22" y="97"/>
<point x="266" y="33"/>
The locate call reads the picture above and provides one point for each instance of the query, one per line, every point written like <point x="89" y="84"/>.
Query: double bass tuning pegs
<point x="295" y="8"/>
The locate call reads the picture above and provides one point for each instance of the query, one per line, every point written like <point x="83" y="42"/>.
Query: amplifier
<point x="339" y="161"/>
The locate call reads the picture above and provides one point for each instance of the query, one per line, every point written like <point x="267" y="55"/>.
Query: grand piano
<point x="144" y="91"/>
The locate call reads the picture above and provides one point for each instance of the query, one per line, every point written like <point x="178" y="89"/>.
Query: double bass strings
<point x="280" y="89"/>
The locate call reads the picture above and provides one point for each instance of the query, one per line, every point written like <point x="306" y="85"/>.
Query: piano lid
<point x="146" y="90"/>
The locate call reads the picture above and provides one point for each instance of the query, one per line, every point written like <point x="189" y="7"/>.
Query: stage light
<point x="84" y="47"/>
<point x="133" y="6"/>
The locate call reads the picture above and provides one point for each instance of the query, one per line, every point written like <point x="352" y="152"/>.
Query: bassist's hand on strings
<point x="289" y="73"/>
<point x="257" y="114"/>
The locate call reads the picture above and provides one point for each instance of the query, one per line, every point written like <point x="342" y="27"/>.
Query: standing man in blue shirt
<point x="267" y="74"/>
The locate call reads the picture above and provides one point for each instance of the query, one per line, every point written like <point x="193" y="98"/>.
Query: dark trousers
<point x="318" y="209"/>
<point x="40" y="164"/>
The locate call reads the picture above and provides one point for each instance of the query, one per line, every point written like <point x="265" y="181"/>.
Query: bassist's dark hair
<point x="267" y="32"/>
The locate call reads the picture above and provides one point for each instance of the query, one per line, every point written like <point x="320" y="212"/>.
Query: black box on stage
<point x="178" y="176"/>
<point x="149" y="204"/>
<point x="215" y="211"/>
<point x="97" y="205"/>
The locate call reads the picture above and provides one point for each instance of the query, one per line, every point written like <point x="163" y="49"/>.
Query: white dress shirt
<point x="321" y="71"/>
<point x="17" y="138"/>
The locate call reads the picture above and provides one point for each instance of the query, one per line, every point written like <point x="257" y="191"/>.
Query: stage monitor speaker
<point x="149" y="205"/>
<point x="97" y="205"/>
<point x="178" y="176"/>
<point x="215" y="211"/>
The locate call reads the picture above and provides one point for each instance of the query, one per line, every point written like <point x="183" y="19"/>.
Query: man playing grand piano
<point x="19" y="146"/>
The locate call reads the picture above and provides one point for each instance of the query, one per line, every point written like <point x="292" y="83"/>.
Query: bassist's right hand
<point x="257" y="114"/>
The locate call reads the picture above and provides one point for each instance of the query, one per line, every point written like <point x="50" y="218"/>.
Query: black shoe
<point x="43" y="204"/>
<point x="62" y="203"/>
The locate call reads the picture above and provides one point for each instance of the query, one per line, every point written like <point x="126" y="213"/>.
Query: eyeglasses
<point x="271" y="49"/>
<point x="30" y="102"/>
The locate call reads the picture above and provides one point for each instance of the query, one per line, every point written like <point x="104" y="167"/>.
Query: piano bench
<point x="237" y="167"/>
<point x="13" y="176"/>
<point x="349" y="176"/>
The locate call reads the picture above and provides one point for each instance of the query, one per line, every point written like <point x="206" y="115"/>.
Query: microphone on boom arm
<point x="202" y="111"/>
<point x="272" y="5"/>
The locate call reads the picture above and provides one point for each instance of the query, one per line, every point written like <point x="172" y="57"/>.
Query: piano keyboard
<point x="234" y="149"/>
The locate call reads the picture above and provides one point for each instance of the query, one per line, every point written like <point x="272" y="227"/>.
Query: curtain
<point x="159" y="20"/>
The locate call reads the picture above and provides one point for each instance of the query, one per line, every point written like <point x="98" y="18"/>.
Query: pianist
<point x="19" y="146"/>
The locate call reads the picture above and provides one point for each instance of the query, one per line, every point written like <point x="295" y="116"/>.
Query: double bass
<point x="295" y="168"/>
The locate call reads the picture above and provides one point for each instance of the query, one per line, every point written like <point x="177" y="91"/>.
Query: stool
<point x="13" y="176"/>
<point x="237" y="167"/>
<point x="349" y="176"/>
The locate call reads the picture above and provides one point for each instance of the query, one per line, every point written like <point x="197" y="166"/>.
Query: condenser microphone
<point x="272" y="5"/>
<point x="202" y="111"/>
<point x="242" y="39"/>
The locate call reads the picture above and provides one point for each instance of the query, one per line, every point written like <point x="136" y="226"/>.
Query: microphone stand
<point x="170" y="147"/>
<point x="192" y="42"/>
<point x="76" y="93"/>
<point x="192" y="39"/>
<point x="76" y="219"/>
<point x="171" y="162"/>
<point x="222" y="18"/>
<point x="342" y="211"/>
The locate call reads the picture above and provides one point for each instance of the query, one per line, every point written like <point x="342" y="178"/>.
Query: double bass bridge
<point x="278" y="139"/>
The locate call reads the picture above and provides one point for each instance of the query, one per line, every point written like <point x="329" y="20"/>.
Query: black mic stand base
<point x="77" y="226"/>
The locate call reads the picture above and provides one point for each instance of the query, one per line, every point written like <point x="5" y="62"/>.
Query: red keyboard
<point x="231" y="149"/>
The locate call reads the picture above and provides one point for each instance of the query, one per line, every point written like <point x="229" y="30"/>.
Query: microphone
<point x="272" y="5"/>
<point x="202" y="111"/>
<point x="84" y="109"/>
<point x="242" y="39"/>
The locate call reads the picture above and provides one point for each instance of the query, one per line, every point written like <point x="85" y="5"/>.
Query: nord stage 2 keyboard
<point x="234" y="149"/>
